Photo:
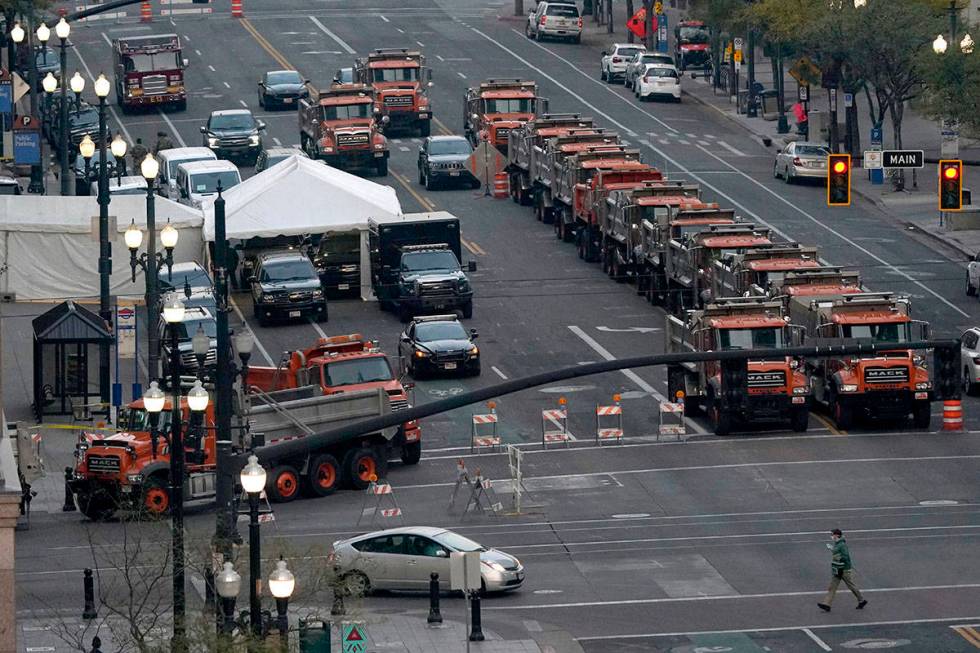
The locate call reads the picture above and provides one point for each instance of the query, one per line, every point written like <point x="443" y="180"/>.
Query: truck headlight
<point x="212" y="142"/>
<point x="134" y="479"/>
<point x="848" y="387"/>
<point x="317" y="294"/>
<point x="421" y="354"/>
<point x="923" y="386"/>
<point x="800" y="390"/>
<point x="473" y="351"/>
<point x="379" y="146"/>
<point x="253" y="140"/>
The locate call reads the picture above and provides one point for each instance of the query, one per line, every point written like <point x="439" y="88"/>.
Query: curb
<point x="939" y="239"/>
<point x="778" y="141"/>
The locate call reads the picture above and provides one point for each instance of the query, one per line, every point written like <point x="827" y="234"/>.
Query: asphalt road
<point x="717" y="542"/>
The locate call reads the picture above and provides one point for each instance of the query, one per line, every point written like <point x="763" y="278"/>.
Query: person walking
<point x="163" y="143"/>
<point x="139" y="153"/>
<point x="842" y="570"/>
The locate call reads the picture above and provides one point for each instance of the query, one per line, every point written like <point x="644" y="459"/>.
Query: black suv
<point x="194" y="318"/>
<point x="282" y="88"/>
<point x="439" y="343"/>
<point x="337" y="260"/>
<point x="232" y="134"/>
<point x="286" y="284"/>
<point x="444" y="159"/>
<point x="82" y="119"/>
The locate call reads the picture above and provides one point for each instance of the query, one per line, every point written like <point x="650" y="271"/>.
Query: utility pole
<point x="750" y="110"/>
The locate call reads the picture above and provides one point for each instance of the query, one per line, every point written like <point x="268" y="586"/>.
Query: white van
<point x="198" y="180"/>
<point x="170" y="159"/>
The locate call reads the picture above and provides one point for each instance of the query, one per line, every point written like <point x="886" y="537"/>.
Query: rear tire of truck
<point x="382" y="167"/>
<point x="411" y="453"/>
<point x="970" y="290"/>
<point x="843" y="413"/>
<point x="799" y="420"/>
<point x="283" y="484"/>
<point x="323" y="478"/>
<point x="468" y="310"/>
<point x="425" y="128"/>
<point x="155" y="498"/>
<point x="921" y="414"/>
<point x="360" y="465"/>
<point x="97" y="506"/>
<point x="721" y="421"/>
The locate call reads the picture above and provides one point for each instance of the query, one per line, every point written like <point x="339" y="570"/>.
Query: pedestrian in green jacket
<point x="841" y="570"/>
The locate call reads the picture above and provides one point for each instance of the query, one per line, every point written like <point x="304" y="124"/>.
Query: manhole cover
<point x="876" y="643"/>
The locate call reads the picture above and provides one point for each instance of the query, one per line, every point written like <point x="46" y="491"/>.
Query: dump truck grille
<point x="398" y="100"/>
<point x="103" y="464"/>
<point x="350" y="140"/>
<point x="767" y="379"/>
<point x="874" y="375"/>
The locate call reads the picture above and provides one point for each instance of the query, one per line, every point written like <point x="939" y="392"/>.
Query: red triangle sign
<point x="354" y="635"/>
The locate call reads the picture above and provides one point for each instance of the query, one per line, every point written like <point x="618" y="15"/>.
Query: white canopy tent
<point x="299" y="196"/>
<point x="50" y="244"/>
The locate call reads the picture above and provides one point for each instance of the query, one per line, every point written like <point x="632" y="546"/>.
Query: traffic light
<point x="950" y="185"/>
<point x="947" y="373"/>
<point x="838" y="179"/>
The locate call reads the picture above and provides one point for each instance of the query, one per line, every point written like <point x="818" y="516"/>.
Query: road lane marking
<point x="277" y="141"/>
<point x="969" y="634"/>
<point x="400" y="30"/>
<point x="258" y="343"/>
<point x="775" y="629"/>
<point x="729" y="148"/>
<point x="426" y="204"/>
<point x="211" y="68"/>
<point x="498" y="372"/>
<point x="198" y="53"/>
<point x="227" y="85"/>
<point x="112" y="109"/>
<point x="473" y="247"/>
<point x="316" y="327"/>
<point x="830" y="229"/>
<point x="719" y="597"/>
<point x="828" y="424"/>
<point x="265" y="45"/>
<point x="242" y="102"/>
<point x="384" y="18"/>
<point x="341" y="42"/>
<point x="403" y="148"/>
<point x="630" y="374"/>
<point x="461" y="74"/>
<point x="819" y="642"/>
<point x="468" y="246"/>
<point x="421" y="45"/>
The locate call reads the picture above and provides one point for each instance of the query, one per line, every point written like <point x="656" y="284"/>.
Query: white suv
<point x="973" y="275"/>
<point x="557" y="19"/>
<point x="658" y="80"/>
<point x="970" y="360"/>
<point x="614" y="61"/>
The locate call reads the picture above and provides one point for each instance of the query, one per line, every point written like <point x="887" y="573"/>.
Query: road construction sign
<point x="353" y="637"/>
<point x="805" y="71"/>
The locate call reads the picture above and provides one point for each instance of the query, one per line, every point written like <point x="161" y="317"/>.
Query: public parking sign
<point x="902" y="159"/>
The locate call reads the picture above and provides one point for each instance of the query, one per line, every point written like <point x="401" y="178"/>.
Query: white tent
<point x="51" y="249"/>
<point x="299" y="196"/>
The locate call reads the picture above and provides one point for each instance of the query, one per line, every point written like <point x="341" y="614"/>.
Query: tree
<point x="952" y="86"/>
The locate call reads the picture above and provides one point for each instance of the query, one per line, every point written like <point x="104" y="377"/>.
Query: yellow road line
<point x="445" y="130"/>
<point x="468" y="246"/>
<point x="473" y="247"/>
<point x="830" y="425"/>
<point x="969" y="634"/>
<point x="268" y="47"/>
<point x="426" y="204"/>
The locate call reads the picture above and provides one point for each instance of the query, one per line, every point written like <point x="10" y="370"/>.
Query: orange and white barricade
<point x="382" y="496"/>
<point x="953" y="415"/>
<point x="484" y="431"/>
<point x="554" y="424"/>
<point x="609" y="422"/>
<point x="146" y="12"/>
<point x="672" y="420"/>
<point x="501" y="185"/>
<point x="482" y="499"/>
<point x="237" y="11"/>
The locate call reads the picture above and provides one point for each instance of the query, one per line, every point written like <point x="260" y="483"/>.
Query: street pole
<point x="64" y="119"/>
<point x="177" y="497"/>
<point x="782" y="126"/>
<point x="518" y="7"/>
<point x="152" y="288"/>
<point x="254" y="566"/>
<point x="37" y="171"/>
<point x="751" y="111"/>
<point x="105" y="251"/>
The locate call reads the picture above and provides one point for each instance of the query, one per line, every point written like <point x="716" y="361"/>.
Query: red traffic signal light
<point x="838" y="179"/>
<point x="950" y="185"/>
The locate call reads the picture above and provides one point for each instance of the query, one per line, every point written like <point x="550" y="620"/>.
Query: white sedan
<point x="615" y="60"/>
<point x="970" y="360"/>
<point x="658" y="80"/>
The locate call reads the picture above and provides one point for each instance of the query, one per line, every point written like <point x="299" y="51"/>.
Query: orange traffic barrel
<point x="501" y="185"/>
<point x="952" y="415"/>
<point x="146" y="12"/>
<point x="236" y="9"/>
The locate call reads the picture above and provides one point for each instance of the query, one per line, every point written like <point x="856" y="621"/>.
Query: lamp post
<point x="77" y="86"/>
<point x="153" y="400"/>
<point x="118" y="148"/>
<point x="50" y="85"/>
<point x="253" y="482"/>
<point x="200" y="345"/>
<point x="87" y="149"/>
<point x="281" y="585"/>
<point x="62" y="30"/>
<point x="102" y="88"/>
<point x="228" y="583"/>
<point x="940" y="46"/>
<point x="18" y="34"/>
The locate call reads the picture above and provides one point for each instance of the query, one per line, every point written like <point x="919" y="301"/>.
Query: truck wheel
<point x="412" y="453"/>
<point x="155" y="498"/>
<point x="323" y="477"/>
<point x="97" y="506"/>
<point x="283" y="484"/>
<point x="970" y="290"/>
<point x="921" y="414"/>
<point x="468" y="310"/>
<point x="425" y="128"/>
<point x="428" y="183"/>
<point x="843" y="413"/>
<point x="799" y="419"/>
<point x="382" y="167"/>
<point x="969" y="387"/>
<point x="360" y="465"/>
<point x="721" y="421"/>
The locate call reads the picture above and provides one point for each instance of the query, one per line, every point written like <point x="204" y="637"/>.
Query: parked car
<point x="439" y="343"/>
<point x="801" y="160"/>
<point x="9" y="185"/>
<point x="274" y="155"/>
<point x="443" y="159"/>
<point x="970" y="360"/>
<point x="199" y="297"/>
<point x="190" y="274"/>
<point x="658" y="80"/>
<point x="198" y="181"/>
<point x="282" y="88"/>
<point x="285" y="284"/>
<point x="171" y="158"/>
<point x="403" y="559"/>
<point x="615" y="60"/>
<point x="554" y="19"/>
<point x="124" y="185"/>
<point x="86" y="174"/>
<point x="82" y="120"/>
<point x="337" y="259"/>
<point x="233" y="134"/>
<point x="196" y="317"/>
<point x="637" y="64"/>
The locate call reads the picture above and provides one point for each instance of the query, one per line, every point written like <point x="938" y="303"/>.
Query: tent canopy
<point x="300" y="196"/>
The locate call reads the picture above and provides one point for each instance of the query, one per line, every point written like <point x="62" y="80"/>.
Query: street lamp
<point x="118" y="148"/>
<point x="966" y="45"/>
<point x="49" y="83"/>
<point x="939" y="45"/>
<point x="77" y="86"/>
<point x="228" y="583"/>
<point x="153" y="401"/>
<point x="252" y="477"/>
<point x="87" y="149"/>
<point x="18" y="34"/>
<point x="43" y="33"/>
<point x="200" y="345"/>
<point x="102" y="88"/>
<point x="281" y="585"/>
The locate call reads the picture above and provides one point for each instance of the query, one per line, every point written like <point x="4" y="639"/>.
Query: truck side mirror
<point x="260" y="125"/>
<point x="203" y="129"/>
<point x="186" y="62"/>
<point x="473" y="334"/>
<point x="471" y="266"/>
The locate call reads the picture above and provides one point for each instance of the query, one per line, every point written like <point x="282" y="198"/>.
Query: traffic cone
<point x="146" y="12"/>
<point x="236" y="9"/>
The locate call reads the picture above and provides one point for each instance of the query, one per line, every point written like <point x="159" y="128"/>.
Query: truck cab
<point x="400" y="80"/>
<point x="149" y="71"/>
<point x="338" y="126"/>
<point x="497" y="107"/>
<point x="692" y="44"/>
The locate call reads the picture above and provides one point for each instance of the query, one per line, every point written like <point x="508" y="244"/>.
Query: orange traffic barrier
<point x="952" y="415"/>
<point x="501" y="185"/>
<point x="236" y="9"/>
<point x="146" y="12"/>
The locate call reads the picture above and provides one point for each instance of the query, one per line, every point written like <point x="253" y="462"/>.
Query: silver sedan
<point x="403" y="558"/>
<point x="801" y="160"/>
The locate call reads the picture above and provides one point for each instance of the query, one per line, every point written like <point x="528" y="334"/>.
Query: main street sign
<point x="902" y="159"/>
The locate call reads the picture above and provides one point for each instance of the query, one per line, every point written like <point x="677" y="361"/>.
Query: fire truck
<point x="130" y="469"/>
<point x="149" y="71"/>
<point x="400" y="80"/>
<point x="764" y="390"/>
<point x="498" y="106"/>
<point x="885" y="385"/>
<point x="338" y="126"/>
<point x="527" y="142"/>
<point x="692" y="44"/>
